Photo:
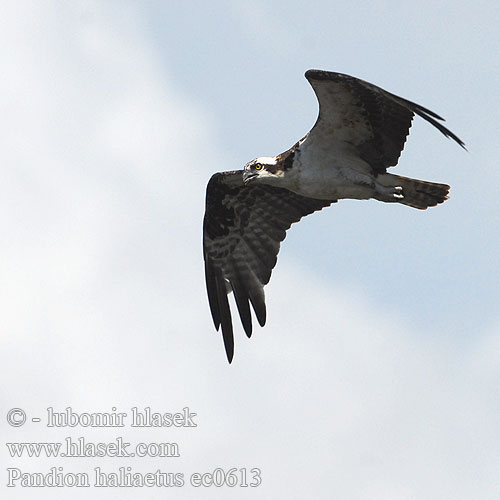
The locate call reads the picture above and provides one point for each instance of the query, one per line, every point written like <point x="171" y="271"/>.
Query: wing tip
<point x="228" y="338"/>
<point x="262" y="316"/>
<point x="229" y="355"/>
<point x="432" y="118"/>
<point x="459" y="142"/>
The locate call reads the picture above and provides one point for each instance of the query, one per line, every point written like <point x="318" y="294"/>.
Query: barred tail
<point x="415" y="193"/>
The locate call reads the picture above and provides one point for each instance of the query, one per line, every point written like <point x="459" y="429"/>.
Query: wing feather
<point x="225" y="315"/>
<point x="241" y="295"/>
<point x="213" y="300"/>
<point x="242" y="231"/>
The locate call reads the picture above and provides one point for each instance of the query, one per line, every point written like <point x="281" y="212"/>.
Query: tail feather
<point x="416" y="193"/>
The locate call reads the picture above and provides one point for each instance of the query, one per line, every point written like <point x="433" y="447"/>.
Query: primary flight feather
<point x="360" y="132"/>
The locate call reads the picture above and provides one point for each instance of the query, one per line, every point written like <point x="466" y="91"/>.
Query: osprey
<point x="360" y="132"/>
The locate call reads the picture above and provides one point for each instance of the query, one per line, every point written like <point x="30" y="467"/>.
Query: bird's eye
<point x="258" y="166"/>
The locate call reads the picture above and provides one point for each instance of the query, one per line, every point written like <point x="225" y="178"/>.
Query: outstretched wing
<point x="357" y="116"/>
<point x="242" y="230"/>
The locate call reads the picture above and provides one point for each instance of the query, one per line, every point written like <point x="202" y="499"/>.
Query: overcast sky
<point x="378" y="373"/>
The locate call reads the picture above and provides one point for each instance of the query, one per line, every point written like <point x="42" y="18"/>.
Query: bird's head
<point x="264" y="169"/>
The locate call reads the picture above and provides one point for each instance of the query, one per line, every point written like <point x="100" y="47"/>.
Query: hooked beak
<point x="248" y="176"/>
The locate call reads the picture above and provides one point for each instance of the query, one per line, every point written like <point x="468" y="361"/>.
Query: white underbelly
<point x="331" y="182"/>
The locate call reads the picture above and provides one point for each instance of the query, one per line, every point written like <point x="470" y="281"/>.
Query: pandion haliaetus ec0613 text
<point x="360" y="132"/>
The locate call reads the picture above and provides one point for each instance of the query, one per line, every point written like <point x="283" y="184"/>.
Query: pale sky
<point x="377" y="375"/>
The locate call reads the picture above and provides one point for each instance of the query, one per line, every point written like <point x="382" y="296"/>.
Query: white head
<point x="266" y="160"/>
<point x="266" y="169"/>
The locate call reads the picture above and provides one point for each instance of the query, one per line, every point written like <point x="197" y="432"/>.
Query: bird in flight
<point x="360" y="132"/>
